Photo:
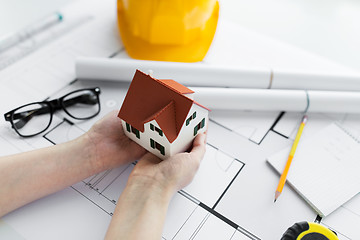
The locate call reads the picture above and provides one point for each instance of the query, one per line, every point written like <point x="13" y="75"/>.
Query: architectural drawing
<point x="249" y="124"/>
<point x="220" y="200"/>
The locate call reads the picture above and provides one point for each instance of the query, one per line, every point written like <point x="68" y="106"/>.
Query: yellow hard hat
<point x="167" y="30"/>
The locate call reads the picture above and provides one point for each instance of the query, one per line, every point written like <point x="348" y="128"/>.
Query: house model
<point x="161" y="115"/>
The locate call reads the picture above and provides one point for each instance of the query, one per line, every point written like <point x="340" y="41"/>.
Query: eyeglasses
<point x="34" y="118"/>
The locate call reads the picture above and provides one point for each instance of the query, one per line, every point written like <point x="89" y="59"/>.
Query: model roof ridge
<point x="171" y="103"/>
<point x="168" y="83"/>
<point x="167" y="130"/>
<point x="161" y="81"/>
<point x="156" y="114"/>
<point x="168" y="86"/>
<point x="162" y="110"/>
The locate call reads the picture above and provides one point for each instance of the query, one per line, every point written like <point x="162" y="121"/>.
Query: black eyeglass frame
<point x="54" y="105"/>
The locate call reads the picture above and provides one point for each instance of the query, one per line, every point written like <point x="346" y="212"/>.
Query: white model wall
<point x="144" y="140"/>
<point x="181" y="144"/>
<point x="186" y="135"/>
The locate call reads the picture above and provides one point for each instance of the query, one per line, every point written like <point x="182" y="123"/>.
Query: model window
<point x="193" y="116"/>
<point x="199" y="126"/>
<point x="157" y="146"/>
<point x="154" y="128"/>
<point x="130" y="128"/>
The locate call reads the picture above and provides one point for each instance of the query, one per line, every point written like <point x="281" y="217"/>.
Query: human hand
<point x="31" y="175"/>
<point x="173" y="173"/>
<point x="149" y="189"/>
<point x="110" y="146"/>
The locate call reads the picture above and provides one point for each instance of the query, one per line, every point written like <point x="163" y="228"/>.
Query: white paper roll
<point x="278" y="100"/>
<point x="191" y="74"/>
<point x="315" y="81"/>
<point x="199" y="74"/>
<point x="334" y="102"/>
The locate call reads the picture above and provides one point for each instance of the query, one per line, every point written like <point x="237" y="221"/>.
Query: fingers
<point x="198" y="150"/>
<point x="175" y="172"/>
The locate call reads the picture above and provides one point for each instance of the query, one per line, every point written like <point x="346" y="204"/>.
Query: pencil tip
<point x="277" y="194"/>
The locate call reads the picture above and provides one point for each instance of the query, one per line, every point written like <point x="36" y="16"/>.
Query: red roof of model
<point x="176" y="86"/>
<point x="163" y="100"/>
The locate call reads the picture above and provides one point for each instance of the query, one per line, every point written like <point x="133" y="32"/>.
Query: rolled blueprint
<point x="200" y="74"/>
<point x="191" y="74"/>
<point x="278" y="100"/>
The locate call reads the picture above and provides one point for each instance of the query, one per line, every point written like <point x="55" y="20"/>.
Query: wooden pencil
<point x="290" y="158"/>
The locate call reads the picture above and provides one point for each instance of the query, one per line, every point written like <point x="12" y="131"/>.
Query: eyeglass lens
<point x="35" y="118"/>
<point x="32" y="118"/>
<point x="81" y="104"/>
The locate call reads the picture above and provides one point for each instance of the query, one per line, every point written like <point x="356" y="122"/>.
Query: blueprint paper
<point x="244" y="209"/>
<point x="325" y="168"/>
